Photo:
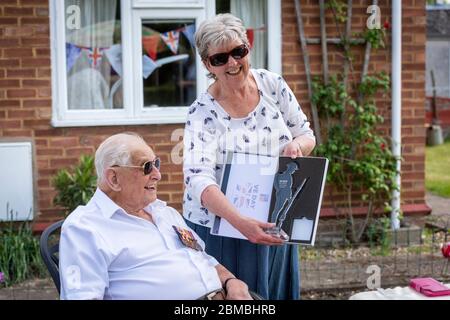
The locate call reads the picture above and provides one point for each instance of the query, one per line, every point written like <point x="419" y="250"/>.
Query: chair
<point x="49" y="251"/>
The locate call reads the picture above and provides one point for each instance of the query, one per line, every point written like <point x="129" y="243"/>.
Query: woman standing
<point x="244" y="110"/>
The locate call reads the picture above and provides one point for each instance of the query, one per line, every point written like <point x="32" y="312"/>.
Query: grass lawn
<point x="437" y="169"/>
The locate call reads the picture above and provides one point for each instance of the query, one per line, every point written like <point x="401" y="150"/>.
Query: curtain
<point x="253" y="14"/>
<point x="88" y="70"/>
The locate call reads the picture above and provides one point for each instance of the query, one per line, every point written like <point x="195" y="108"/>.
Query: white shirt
<point x="210" y="131"/>
<point x="106" y="253"/>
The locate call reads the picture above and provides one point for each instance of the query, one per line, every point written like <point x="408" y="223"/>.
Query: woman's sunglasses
<point x="147" y="167"/>
<point x="220" y="59"/>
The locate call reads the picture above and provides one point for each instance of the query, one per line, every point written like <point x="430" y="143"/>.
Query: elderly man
<point x="127" y="244"/>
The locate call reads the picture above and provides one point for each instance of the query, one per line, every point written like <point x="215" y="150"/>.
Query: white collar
<point x="108" y="207"/>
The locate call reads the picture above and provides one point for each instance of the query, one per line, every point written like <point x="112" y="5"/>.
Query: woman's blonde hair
<point x="217" y="31"/>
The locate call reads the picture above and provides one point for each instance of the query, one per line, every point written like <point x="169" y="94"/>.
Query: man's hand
<point x="293" y="150"/>
<point x="253" y="230"/>
<point x="237" y="290"/>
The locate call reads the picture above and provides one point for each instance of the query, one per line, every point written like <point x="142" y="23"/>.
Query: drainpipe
<point x="396" y="74"/>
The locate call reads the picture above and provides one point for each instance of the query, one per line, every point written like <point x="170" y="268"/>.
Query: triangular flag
<point x="189" y="32"/>
<point x="150" y="44"/>
<point x="95" y="56"/>
<point x="72" y="54"/>
<point x="114" y="55"/>
<point x="250" y="36"/>
<point x="171" y="38"/>
<point x="148" y="66"/>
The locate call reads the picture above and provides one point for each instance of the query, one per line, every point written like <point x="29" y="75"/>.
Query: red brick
<point x="5" y="43"/>
<point x="18" y="31"/>
<point x="64" y="142"/>
<point x="42" y="73"/>
<point x="36" y="83"/>
<point x="40" y="21"/>
<point x="41" y="42"/>
<point x="37" y="103"/>
<point x="77" y="152"/>
<point x="9" y="103"/>
<point x="35" y="62"/>
<point x="63" y="163"/>
<point x="9" y="62"/>
<point x="42" y="12"/>
<point x="8" y="21"/>
<point x="44" y="92"/>
<point x="43" y="52"/>
<point x="49" y="152"/>
<point x="17" y="133"/>
<point x="34" y="2"/>
<point x="21" y="73"/>
<point x="22" y="114"/>
<point x="44" y="123"/>
<point x="43" y="183"/>
<point x="18" y="52"/>
<point x="9" y="83"/>
<point x="10" y="124"/>
<point x="15" y="11"/>
<point x="21" y="93"/>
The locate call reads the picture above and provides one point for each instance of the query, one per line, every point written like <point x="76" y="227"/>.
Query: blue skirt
<point x="270" y="271"/>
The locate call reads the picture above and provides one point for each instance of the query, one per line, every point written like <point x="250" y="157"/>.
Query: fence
<point x="402" y="257"/>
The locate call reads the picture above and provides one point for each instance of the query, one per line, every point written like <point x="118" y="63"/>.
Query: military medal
<point x="187" y="238"/>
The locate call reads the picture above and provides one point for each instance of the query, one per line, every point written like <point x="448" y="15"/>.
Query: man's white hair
<point x="217" y="31"/>
<point x="115" y="150"/>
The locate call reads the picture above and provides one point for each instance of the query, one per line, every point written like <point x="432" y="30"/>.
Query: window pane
<point x="168" y="62"/>
<point x="253" y="14"/>
<point x="93" y="54"/>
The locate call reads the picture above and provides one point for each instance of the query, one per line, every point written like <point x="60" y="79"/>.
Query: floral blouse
<point x="210" y="132"/>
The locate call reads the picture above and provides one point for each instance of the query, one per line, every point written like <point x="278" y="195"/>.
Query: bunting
<point x="189" y="32"/>
<point x="148" y="66"/>
<point x="95" y="56"/>
<point x="171" y="38"/>
<point x="250" y="37"/>
<point x="150" y="44"/>
<point x="72" y="54"/>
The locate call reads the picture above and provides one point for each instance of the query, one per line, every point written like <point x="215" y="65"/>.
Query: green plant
<point x="19" y="251"/>
<point x="362" y="166"/>
<point x="75" y="188"/>
<point x="378" y="236"/>
<point x="361" y="163"/>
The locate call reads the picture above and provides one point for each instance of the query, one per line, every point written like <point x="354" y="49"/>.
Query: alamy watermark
<point x="374" y="21"/>
<point x="73" y="18"/>
<point x="374" y="280"/>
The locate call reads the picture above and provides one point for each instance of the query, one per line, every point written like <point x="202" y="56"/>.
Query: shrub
<point x="75" y="188"/>
<point x="19" y="252"/>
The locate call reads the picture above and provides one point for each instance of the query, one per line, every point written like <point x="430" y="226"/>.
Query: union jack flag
<point x="171" y="38"/>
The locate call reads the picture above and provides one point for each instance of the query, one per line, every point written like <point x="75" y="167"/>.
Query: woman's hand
<point x="237" y="290"/>
<point x="293" y="150"/>
<point x="253" y="230"/>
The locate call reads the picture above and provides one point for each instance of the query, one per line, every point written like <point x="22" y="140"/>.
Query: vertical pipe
<point x="396" y="104"/>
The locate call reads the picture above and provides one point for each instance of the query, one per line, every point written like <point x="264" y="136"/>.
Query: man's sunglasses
<point x="147" y="167"/>
<point x="220" y="59"/>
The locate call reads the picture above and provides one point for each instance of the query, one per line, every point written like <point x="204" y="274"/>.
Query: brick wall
<point x="25" y="96"/>
<point x="413" y="79"/>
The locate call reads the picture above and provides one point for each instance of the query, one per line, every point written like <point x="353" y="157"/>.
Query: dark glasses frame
<point x="147" y="167"/>
<point x="220" y="59"/>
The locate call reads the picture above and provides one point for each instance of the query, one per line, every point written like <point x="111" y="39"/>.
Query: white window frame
<point x="132" y="13"/>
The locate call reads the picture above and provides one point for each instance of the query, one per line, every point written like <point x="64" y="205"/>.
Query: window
<point x="134" y="61"/>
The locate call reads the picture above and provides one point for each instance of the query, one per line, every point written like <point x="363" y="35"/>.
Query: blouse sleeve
<point x="200" y="145"/>
<point x="293" y="115"/>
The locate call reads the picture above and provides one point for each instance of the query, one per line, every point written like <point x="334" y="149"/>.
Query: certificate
<point x="285" y="191"/>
